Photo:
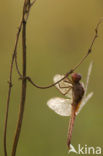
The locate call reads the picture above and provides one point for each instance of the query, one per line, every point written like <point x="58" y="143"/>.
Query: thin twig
<point x="91" y="46"/>
<point x="9" y="90"/>
<point x="75" y="67"/>
<point x="26" y="10"/>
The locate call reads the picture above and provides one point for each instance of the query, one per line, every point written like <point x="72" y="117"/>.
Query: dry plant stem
<point x="29" y="4"/>
<point x="72" y="70"/>
<point x="26" y="10"/>
<point x="9" y="90"/>
<point x="23" y="92"/>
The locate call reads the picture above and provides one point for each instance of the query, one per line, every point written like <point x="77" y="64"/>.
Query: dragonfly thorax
<point x="76" y="77"/>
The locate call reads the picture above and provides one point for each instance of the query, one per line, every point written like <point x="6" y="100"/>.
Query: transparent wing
<point x="60" y="106"/>
<point x="82" y="83"/>
<point x="84" y="101"/>
<point x="65" y="86"/>
<point x="86" y="98"/>
<point x="88" y="77"/>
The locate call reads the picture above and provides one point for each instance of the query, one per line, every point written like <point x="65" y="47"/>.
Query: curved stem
<point x="74" y="68"/>
<point x="9" y="90"/>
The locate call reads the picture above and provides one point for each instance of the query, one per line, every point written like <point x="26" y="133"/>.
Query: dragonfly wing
<point x="82" y="83"/>
<point x="65" y="86"/>
<point x="60" y="105"/>
<point x="88" y="76"/>
<point x="84" y="101"/>
<point x="86" y="98"/>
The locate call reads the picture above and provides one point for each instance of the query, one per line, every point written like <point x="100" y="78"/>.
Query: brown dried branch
<point x="26" y="15"/>
<point x="14" y="57"/>
<point x="23" y="93"/>
<point x="72" y="70"/>
<point x="26" y="10"/>
<point x="9" y="90"/>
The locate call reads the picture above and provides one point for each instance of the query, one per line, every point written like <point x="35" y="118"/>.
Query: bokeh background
<point x="58" y="35"/>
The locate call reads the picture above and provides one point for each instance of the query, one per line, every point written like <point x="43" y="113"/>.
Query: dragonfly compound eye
<point x="76" y="77"/>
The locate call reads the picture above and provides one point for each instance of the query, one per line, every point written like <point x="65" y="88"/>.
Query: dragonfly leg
<point x="68" y="80"/>
<point x="67" y="90"/>
<point x="63" y="87"/>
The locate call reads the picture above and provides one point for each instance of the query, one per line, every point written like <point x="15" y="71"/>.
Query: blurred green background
<point x="58" y="35"/>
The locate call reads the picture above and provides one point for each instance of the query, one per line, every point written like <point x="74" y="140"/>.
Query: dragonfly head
<point x="76" y="77"/>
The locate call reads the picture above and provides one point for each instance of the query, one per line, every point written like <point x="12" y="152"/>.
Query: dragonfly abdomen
<point x="71" y="124"/>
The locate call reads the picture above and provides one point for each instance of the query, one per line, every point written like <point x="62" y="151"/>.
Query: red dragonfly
<point x="75" y="92"/>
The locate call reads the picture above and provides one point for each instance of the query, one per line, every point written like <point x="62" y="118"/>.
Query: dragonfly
<point x="76" y="93"/>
